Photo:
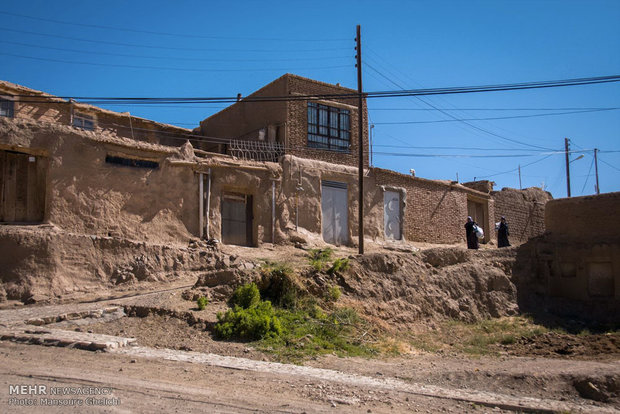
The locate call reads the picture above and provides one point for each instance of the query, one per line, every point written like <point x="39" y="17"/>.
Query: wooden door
<point x="22" y="187"/>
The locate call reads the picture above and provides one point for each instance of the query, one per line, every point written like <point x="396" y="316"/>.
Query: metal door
<point x="335" y="211"/>
<point x="391" y="216"/>
<point x="237" y="219"/>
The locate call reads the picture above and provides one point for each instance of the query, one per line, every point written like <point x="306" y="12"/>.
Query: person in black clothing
<point x="503" y="233"/>
<point x="470" y="234"/>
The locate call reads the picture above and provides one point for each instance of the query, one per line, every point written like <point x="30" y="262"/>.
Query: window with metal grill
<point x="328" y="127"/>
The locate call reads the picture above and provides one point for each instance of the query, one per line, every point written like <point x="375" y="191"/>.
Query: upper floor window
<point x="328" y="127"/>
<point x="83" y="121"/>
<point x="6" y="108"/>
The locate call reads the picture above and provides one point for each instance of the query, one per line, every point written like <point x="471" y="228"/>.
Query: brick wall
<point x="297" y="126"/>
<point x="524" y="211"/>
<point x="243" y="119"/>
<point x="435" y="211"/>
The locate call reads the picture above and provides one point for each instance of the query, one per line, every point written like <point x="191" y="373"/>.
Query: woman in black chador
<point x="503" y="233"/>
<point x="470" y="234"/>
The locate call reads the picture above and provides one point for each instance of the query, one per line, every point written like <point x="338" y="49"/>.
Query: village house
<point x="267" y="169"/>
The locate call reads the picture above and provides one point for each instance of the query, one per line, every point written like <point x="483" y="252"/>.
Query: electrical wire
<point x="169" y="68"/>
<point x="494" y="118"/>
<point x="516" y="169"/>
<point x="353" y="94"/>
<point x="588" y="176"/>
<point x="464" y="122"/>
<point x="184" y="35"/>
<point x="106" y="42"/>
<point x="190" y="59"/>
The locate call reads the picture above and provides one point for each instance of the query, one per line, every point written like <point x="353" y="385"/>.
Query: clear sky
<point x="156" y="48"/>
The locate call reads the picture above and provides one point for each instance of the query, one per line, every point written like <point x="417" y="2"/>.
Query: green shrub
<point x="334" y="293"/>
<point x="202" y="303"/>
<point x="318" y="258"/>
<point x="339" y="266"/>
<point x="254" y="323"/>
<point x="279" y="285"/>
<point x="246" y="296"/>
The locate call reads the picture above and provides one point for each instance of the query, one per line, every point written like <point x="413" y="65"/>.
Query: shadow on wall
<point x="557" y="295"/>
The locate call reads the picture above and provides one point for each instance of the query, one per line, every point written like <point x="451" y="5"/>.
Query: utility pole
<point x="598" y="190"/>
<point x="360" y="131"/>
<point x="567" y="166"/>
<point x="520" y="187"/>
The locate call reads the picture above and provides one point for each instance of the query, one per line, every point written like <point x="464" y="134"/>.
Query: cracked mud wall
<point x="86" y="194"/>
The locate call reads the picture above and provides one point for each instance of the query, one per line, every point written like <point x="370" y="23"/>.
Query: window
<point x="328" y="127"/>
<point x="84" y="122"/>
<point x="131" y="162"/>
<point x="6" y="108"/>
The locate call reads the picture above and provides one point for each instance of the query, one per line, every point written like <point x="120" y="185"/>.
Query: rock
<point x="590" y="391"/>
<point x="216" y="278"/>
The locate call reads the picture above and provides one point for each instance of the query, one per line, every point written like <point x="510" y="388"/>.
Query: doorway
<point x="335" y="211"/>
<point x="391" y="215"/>
<point x="22" y="187"/>
<point x="237" y="218"/>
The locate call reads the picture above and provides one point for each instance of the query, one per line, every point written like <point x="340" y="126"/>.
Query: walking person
<point x="470" y="233"/>
<point x="503" y="233"/>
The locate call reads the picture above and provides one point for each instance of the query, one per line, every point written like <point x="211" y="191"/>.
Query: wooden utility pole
<point x="598" y="190"/>
<point x="520" y="187"/>
<point x="567" y="166"/>
<point x="360" y="130"/>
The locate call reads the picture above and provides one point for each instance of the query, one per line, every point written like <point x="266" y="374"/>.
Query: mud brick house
<point x="298" y="116"/>
<point x="277" y="165"/>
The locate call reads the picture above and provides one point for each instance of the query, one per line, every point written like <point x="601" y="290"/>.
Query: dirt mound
<point x="441" y="283"/>
<point x="47" y="263"/>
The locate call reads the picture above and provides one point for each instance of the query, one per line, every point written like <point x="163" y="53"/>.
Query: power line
<point x="449" y="114"/>
<point x="168" y="68"/>
<point x="122" y="29"/>
<point x="462" y="121"/>
<point x="515" y="169"/>
<point x="167" y="47"/>
<point x="494" y="118"/>
<point x="353" y="94"/>
<point x="498" y="109"/>
<point x="191" y="59"/>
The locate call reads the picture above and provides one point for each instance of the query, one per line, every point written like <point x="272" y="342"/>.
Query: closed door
<point x="237" y="219"/>
<point x="476" y="211"/>
<point x="334" y="208"/>
<point x="391" y="216"/>
<point x="22" y="187"/>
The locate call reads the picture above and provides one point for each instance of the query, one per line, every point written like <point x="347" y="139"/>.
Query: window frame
<point x="10" y="107"/>
<point x="328" y="127"/>
<point x="81" y="120"/>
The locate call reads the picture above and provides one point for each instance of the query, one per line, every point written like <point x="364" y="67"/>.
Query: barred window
<point x="328" y="127"/>
<point x="6" y="108"/>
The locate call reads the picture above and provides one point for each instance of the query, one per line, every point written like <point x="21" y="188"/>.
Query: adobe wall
<point x="310" y="214"/>
<point x="578" y="257"/>
<point x="435" y="212"/>
<point x="41" y="107"/>
<point x="248" y="179"/>
<point x="524" y="211"/>
<point x="590" y="218"/>
<point x="87" y="195"/>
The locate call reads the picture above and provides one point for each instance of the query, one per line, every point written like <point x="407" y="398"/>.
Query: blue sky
<point x="221" y="48"/>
